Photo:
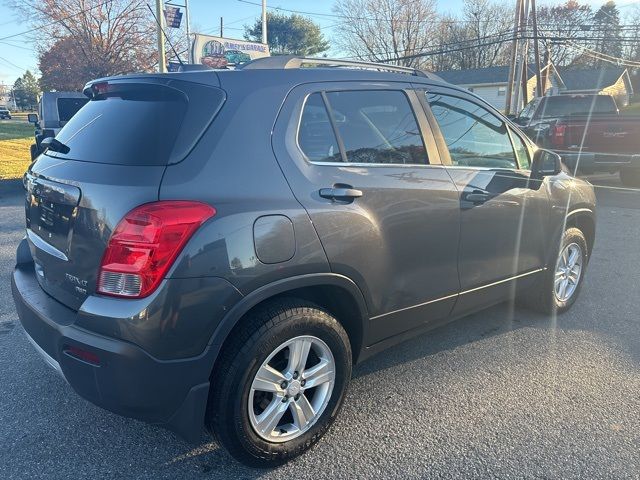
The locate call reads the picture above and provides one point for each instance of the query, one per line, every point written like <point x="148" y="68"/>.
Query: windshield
<point x="560" y="106"/>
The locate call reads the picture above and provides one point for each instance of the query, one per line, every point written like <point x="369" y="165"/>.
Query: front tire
<point x="280" y="383"/>
<point x="560" y="285"/>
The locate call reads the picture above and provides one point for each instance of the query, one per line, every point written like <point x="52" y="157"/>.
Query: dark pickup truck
<point x="588" y="132"/>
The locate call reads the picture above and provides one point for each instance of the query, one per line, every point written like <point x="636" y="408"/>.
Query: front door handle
<point x="340" y="193"/>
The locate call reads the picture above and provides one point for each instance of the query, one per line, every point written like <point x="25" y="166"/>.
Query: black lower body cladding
<point x="114" y="372"/>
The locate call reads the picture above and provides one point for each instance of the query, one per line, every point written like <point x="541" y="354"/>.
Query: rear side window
<point x="140" y="124"/>
<point x="475" y="137"/>
<point x="374" y="126"/>
<point x="68" y="107"/>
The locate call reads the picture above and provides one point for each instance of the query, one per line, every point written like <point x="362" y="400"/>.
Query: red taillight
<point x="84" y="355"/>
<point x="557" y="135"/>
<point x="145" y="243"/>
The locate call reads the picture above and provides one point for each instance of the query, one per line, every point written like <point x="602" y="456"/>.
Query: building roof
<point x="590" y="78"/>
<point x="479" y="76"/>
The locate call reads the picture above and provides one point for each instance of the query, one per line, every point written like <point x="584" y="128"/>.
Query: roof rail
<point x="293" y="61"/>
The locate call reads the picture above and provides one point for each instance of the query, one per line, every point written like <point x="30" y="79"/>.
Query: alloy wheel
<point x="291" y="389"/>
<point x="568" y="272"/>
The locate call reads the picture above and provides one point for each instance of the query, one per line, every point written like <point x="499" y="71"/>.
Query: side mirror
<point x="32" y="118"/>
<point x="545" y="164"/>
<point x="51" y="143"/>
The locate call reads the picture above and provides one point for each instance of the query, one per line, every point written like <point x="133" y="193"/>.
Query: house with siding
<point x="491" y="83"/>
<point x="614" y="81"/>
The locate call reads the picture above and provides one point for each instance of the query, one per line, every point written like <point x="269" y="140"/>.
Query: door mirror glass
<point x="545" y="163"/>
<point x="32" y="118"/>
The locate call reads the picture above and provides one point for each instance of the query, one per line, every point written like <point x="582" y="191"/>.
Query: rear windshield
<point x="68" y="107"/>
<point x="147" y="125"/>
<point x="563" y="106"/>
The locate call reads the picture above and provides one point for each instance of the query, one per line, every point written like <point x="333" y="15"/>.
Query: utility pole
<point x="162" y="60"/>
<point x="264" y="21"/>
<point x="186" y="12"/>
<point x="514" y="53"/>
<point x="547" y="64"/>
<point x="521" y="60"/>
<point x="221" y="27"/>
<point x="536" y="51"/>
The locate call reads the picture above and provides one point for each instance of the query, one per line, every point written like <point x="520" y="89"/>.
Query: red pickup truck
<point x="588" y="132"/>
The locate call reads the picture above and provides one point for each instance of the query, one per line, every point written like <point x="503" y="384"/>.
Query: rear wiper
<point x="52" y="144"/>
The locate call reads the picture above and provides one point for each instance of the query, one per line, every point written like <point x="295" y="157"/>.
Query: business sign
<point x="218" y="52"/>
<point x="173" y="17"/>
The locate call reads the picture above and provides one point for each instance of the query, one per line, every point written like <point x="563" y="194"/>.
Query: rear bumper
<point x="128" y="381"/>
<point x="598" y="161"/>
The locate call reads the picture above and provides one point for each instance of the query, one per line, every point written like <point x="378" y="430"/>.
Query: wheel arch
<point x="336" y="293"/>
<point x="584" y="220"/>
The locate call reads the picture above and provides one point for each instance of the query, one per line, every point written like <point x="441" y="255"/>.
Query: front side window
<point x="474" y="136"/>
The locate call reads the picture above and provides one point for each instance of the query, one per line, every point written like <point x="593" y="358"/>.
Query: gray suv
<point x="218" y="248"/>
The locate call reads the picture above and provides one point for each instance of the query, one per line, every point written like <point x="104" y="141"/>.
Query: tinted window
<point x="315" y="135"/>
<point x="68" y="107"/>
<point x="139" y="124"/>
<point x="568" y="105"/>
<point x="474" y="135"/>
<point x="377" y="126"/>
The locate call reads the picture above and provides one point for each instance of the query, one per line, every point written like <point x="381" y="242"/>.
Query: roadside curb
<point x="10" y="187"/>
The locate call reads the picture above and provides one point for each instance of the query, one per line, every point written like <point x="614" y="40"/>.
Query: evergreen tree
<point x="26" y="90"/>
<point x="607" y="32"/>
<point x="289" y="35"/>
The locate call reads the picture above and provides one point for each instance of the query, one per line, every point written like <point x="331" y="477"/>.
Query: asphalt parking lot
<point x="502" y="394"/>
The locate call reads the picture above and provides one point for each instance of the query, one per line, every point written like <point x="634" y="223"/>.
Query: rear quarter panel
<point x="234" y="169"/>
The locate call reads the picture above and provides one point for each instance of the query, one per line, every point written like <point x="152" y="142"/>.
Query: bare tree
<point x="562" y="26"/>
<point x="108" y="37"/>
<point x="479" y="38"/>
<point x="387" y="30"/>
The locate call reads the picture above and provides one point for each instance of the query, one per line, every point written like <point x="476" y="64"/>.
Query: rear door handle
<point x="340" y="193"/>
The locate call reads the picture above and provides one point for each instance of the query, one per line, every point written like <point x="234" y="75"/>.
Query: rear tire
<point x="630" y="177"/>
<point x="266" y="344"/>
<point x="559" y="287"/>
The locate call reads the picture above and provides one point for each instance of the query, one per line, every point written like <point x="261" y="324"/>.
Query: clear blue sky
<point x="19" y="54"/>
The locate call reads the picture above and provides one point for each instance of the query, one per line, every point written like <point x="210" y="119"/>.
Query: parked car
<point x="55" y="109"/>
<point x="5" y="113"/>
<point x="215" y="61"/>
<point x="236" y="57"/>
<point x="219" y="248"/>
<point x="588" y="132"/>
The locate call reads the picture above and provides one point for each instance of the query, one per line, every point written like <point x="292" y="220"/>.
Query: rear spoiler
<point x="131" y="86"/>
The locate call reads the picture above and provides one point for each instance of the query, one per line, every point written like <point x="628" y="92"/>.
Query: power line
<point x="13" y="64"/>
